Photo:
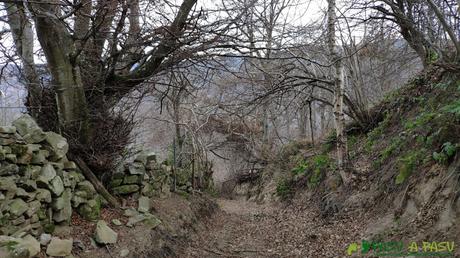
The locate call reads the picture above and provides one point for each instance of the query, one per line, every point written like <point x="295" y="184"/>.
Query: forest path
<point x="246" y="229"/>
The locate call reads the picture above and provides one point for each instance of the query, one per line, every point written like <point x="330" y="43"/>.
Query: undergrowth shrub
<point x="284" y="188"/>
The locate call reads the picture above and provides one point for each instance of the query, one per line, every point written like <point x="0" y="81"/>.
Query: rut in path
<point x="246" y="229"/>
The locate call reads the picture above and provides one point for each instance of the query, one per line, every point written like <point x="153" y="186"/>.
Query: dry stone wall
<point x="142" y="176"/>
<point x="39" y="186"/>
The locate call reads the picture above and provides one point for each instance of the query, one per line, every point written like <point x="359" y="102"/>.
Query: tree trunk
<point x="96" y="183"/>
<point x="339" y="91"/>
<point x="58" y="47"/>
<point x="23" y="37"/>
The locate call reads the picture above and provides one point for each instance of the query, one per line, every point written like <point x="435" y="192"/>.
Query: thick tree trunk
<point x="59" y="50"/>
<point x="339" y="91"/>
<point x="23" y="37"/>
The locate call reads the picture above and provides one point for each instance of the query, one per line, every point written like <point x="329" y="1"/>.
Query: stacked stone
<point x="143" y="175"/>
<point x="39" y="186"/>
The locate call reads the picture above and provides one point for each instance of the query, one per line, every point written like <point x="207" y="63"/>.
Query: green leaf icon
<point x="353" y="247"/>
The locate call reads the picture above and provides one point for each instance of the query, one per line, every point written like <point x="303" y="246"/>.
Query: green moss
<point x="377" y="133"/>
<point x="392" y="149"/>
<point x="49" y="228"/>
<point x="319" y="165"/>
<point x="301" y="168"/>
<point x="407" y="164"/>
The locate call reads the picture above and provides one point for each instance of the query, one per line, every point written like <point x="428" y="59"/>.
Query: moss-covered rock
<point x="125" y="189"/>
<point x="91" y="210"/>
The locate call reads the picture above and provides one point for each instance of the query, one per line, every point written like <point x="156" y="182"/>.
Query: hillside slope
<point x="405" y="169"/>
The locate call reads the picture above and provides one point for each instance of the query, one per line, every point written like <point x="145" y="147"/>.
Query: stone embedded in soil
<point x="59" y="247"/>
<point x="116" y="222"/>
<point x="144" y="204"/>
<point x="124" y="252"/>
<point x="31" y="244"/>
<point x="130" y="212"/>
<point x="104" y="234"/>
<point x="149" y="220"/>
<point x="45" y="239"/>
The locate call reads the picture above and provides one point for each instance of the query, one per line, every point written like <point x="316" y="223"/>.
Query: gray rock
<point x="116" y="222"/>
<point x="25" y="159"/>
<point x="145" y="157"/>
<point x="19" y="252"/>
<point x="63" y="207"/>
<point x="25" y="124"/>
<point x="77" y="200"/>
<point x="35" y="135"/>
<point x="21" y="193"/>
<point x="9" y="169"/>
<point x="125" y="189"/>
<point x="8" y="129"/>
<point x="104" y="234"/>
<point x="136" y="168"/>
<point x="8" y="184"/>
<point x="59" y="145"/>
<point x="144" y="204"/>
<point x="30" y="243"/>
<point x="56" y="186"/>
<point x="11" y="158"/>
<point x="70" y="165"/>
<point x="27" y="184"/>
<point x="33" y="208"/>
<point x="59" y="247"/>
<point x="47" y="174"/>
<point x="17" y="207"/>
<point x="87" y="187"/>
<point x="43" y="195"/>
<point x="124" y="252"/>
<point x="18" y="220"/>
<point x="39" y="158"/>
<point x="90" y="210"/>
<point x="7" y="141"/>
<point x="148" y="220"/>
<point x="45" y="239"/>
<point x="130" y="212"/>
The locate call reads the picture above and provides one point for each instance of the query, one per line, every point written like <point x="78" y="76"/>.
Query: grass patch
<point x="284" y="188"/>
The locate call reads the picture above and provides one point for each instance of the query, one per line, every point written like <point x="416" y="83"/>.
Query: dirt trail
<point x="246" y="229"/>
